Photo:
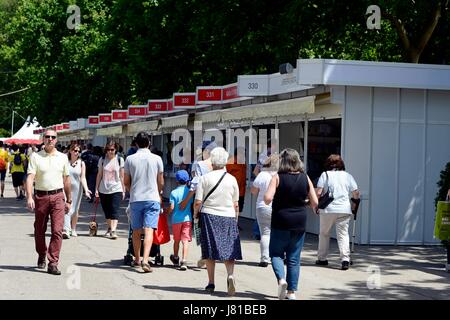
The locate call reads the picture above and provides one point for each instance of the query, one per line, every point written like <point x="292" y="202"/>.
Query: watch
<point x="69" y="201"/>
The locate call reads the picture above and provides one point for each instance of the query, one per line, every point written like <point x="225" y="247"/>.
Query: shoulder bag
<point x="196" y="223"/>
<point x="326" y="197"/>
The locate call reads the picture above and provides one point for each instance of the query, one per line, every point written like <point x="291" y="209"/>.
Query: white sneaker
<point x="231" y="285"/>
<point x="282" y="286"/>
<point x="291" y="296"/>
<point x="73" y="233"/>
<point x="65" y="235"/>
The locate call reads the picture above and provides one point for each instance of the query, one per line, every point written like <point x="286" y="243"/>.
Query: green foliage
<point x="130" y="51"/>
<point x="4" y="133"/>
<point x="443" y="185"/>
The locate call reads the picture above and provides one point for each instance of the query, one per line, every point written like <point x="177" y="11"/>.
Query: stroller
<point x="154" y="251"/>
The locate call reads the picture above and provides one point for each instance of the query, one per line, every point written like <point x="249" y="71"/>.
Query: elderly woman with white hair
<point x="217" y="206"/>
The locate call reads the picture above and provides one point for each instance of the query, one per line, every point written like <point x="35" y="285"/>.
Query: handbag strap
<point x="215" y="187"/>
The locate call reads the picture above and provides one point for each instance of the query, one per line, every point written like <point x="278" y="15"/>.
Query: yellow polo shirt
<point x="49" y="170"/>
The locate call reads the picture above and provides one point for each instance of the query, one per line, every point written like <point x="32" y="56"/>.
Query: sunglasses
<point x="76" y="150"/>
<point x="110" y="149"/>
<point x="50" y="137"/>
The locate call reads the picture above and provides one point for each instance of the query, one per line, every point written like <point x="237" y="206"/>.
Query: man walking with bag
<point x="49" y="169"/>
<point x="144" y="180"/>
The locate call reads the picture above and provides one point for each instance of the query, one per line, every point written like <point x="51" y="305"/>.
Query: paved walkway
<point x="93" y="268"/>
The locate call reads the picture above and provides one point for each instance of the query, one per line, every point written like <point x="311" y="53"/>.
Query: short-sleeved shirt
<point x="110" y="182"/>
<point x="199" y="168"/>
<point x="5" y="156"/>
<point x="176" y="196"/>
<point x="17" y="167"/>
<point x="49" y="170"/>
<point x="341" y="185"/>
<point x="262" y="182"/>
<point x="239" y="171"/>
<point x="221" y="201"/>
<point x="143" y="167"/>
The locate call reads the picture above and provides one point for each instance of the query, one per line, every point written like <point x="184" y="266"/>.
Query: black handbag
<point x="326" y="197"/>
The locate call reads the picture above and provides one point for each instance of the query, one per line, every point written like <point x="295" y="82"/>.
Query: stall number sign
<point x="105" y="118"/>
<point x="155" y="106"/>
<point x="253" y="85"/>
<point x="184" y="101"/>
<point x="93" y="120"/>
<point x="119" y="115"/>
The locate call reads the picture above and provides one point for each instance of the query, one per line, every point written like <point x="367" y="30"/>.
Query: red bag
<point x="162" y="234"/>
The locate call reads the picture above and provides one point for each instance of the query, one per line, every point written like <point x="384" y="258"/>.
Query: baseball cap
<point x="182" y="176"/>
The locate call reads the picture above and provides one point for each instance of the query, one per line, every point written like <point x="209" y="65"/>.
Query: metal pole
<point x="12" y="123"/>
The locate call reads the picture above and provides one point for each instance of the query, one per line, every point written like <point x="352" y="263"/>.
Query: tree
<point x="415" y="22"/>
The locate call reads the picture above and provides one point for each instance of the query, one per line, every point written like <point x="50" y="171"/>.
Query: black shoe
<point x="263" y="264"/>
<point x="53" y="270"/>
<point x="322" y="262"/>
<point x="41" y="263"/>
<point x="210" y="287"/>
<point x="175" y="260"/>
<point x="345" y="265"/>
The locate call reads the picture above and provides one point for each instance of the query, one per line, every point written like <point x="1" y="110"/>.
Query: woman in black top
<point x="290" y="191"/>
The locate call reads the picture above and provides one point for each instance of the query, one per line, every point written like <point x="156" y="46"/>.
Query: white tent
<point x="25" y="134"/>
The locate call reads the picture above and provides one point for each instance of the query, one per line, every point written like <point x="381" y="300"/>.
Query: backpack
<point x="17" y="159"/>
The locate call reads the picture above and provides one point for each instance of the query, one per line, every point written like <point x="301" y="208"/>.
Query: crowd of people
<point x="210" y="195"/>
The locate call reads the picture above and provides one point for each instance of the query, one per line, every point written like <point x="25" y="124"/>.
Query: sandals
<point x="146" y="267"/>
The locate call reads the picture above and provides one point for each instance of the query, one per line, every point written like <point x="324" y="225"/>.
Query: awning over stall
<point x="109" y="131"/>
<point x="146" y="126"/>
<point x="175" y="122"/>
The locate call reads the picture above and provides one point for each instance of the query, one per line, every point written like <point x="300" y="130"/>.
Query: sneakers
<point x="113" y="235"/>
<point x="183" y="266"/>
<point x="201" y="263"/>
<point x="322" y="262"/>
<point x="345" y="265"/>
<point x="175" y="260"/>
<point x="53" y="270"/>
<point x="291" y="296"/>
<point x="210" y="287"/>
<point x="263" y="264"/>
<point x="282" y="286"/>
<point x="231" y="285"/>
<point x="41" y="264"/>
<point x="65" y="235"/>
<point x="108" y="233"/>
<point x="74" y="234"/>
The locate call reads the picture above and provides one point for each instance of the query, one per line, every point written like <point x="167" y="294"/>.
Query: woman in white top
<point x="77" y="171"/>
<point x="342" y="186"/>
<point x="110" y="186"/>
<point x="263" y="211"/>
<point x="218" y="218"/>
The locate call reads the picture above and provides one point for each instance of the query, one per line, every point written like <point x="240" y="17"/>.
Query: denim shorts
<point x="144" y="214"/>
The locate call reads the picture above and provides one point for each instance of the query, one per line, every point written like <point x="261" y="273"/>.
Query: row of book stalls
<point x="389" y="121"/>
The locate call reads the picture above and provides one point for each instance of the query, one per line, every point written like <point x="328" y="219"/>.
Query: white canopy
<point x="25" y="134"/>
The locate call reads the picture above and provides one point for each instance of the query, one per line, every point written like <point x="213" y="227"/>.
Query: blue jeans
<point x="289" y="243"/>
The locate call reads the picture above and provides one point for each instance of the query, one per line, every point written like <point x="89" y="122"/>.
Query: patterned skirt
<point x="219" y="238"/>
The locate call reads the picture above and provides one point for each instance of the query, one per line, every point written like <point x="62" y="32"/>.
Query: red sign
<point x="66" y="126"/>
<point x="58" y="127"/>
<point x="183" y="100"/>
<point x="104" y="117"/>
<point x="137" y="111"/>
<point x="118" y="115"/>
<point x="157" y="105"/>
<point x="230" y="92"/>
<point x="209" y="94"/>
<point x="170" y="105"/>
<point x="93" y="120"/>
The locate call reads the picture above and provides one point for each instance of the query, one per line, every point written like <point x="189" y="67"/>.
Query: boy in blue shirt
<point x="181" y="220"/>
